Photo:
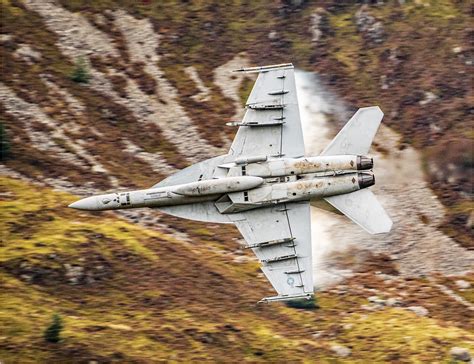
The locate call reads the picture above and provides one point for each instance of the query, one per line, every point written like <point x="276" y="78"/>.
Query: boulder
<point x="273" y="35"/>
<point x="460" y="354"/>
<point x="393" y="302"/>
<point x="418" y="310"/>
<point x="371" y="28"/>
<point x="429" y="97"/>
<point x="5" y="38"/>
<point x="314" y="28"/>
<point x="28" y="54"/>
<point x="377" y="300"/>
<point x="461" y="283"/>
<point x="347" y="326"/>
<point x="74" y="273"/>
<point x="341" y="351"/>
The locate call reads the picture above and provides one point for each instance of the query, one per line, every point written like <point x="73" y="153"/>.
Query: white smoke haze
<point x="418" y="248"/>
<point x="316" y="104"/>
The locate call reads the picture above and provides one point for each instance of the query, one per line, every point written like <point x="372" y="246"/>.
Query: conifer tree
<point x="80" y="73"/>
<point x="53" y="333"/>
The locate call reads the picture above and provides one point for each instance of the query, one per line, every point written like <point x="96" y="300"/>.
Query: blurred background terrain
<point x="102" y="95"/>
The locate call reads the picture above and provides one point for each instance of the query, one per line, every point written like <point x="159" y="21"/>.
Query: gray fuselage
<point x="250" y="183"/>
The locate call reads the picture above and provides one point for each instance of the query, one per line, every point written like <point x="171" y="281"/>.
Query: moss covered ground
<point x="128" y="293"/>
<point x="146" y="296"/>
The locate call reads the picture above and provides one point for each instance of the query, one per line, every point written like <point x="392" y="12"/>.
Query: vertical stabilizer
<point x="357" y="135"/>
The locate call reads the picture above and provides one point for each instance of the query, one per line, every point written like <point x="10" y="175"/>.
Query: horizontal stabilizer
<point x="357" y="135"/>
<point x="364" y="209"/>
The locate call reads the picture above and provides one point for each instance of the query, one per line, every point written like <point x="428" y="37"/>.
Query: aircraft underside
<point x="265" y="184"/>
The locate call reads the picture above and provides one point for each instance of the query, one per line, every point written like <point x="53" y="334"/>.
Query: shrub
<point x="80" y="74"/>
<point x="303" y="303"/>
<point x="4" y="143"/>
<point x="53" y="333"/>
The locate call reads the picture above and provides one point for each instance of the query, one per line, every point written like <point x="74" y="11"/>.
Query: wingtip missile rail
<point x="264" y="68"/>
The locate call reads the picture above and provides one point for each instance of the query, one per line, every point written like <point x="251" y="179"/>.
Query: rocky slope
<point x="416" y="245"/>
<point x="144" y="287"/>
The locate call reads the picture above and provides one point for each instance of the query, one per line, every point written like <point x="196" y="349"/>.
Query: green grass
<point x="397" y="331"/>
<point x="32" y="216"/>
<point x="114" y="317"/>
<point x="148" y="319"/>
<point x="245" y="89"/>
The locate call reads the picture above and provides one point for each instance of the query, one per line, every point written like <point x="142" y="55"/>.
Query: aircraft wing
<point x="280" y="236"/>
<point x="271" y="125"/>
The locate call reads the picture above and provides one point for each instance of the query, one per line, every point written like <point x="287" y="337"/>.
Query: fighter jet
<point x="266" y="183"/>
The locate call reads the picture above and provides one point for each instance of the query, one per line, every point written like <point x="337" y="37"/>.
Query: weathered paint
<point x="247" y="191"/>
<point x="310" y="189"/>
<point x="157" y="197"/>
<point x="300" y="166"/>
<point x="253" y="159"/>
<point x="219" y="186"/>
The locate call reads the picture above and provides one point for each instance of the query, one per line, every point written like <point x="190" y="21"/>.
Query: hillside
<point x="156" y="69"/>
<point x="131" y="294"/>
<point x="105" y="95"/>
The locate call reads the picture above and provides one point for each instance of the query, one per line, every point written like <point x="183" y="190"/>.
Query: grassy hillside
<point x="154" y="97"/>
<point x="132" y="294"/>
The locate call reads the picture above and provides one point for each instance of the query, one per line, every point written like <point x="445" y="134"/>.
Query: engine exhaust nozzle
<point x="366" y="180"/>
<point x="364" y="162"/>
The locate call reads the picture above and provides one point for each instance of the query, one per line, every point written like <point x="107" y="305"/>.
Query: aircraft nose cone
<point x="88" y="203"/>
